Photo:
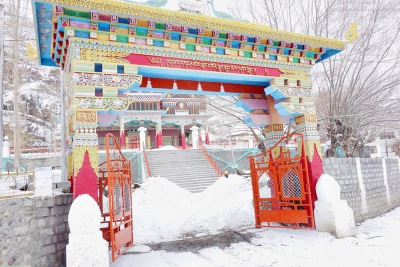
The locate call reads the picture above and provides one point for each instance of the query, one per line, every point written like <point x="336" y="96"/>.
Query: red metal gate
<point x="281" y="187"/>
<point x="115" y="198"/>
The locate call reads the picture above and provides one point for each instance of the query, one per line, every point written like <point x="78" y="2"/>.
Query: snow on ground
<point x="166" y="148"/>
<point x="163" y="211"/>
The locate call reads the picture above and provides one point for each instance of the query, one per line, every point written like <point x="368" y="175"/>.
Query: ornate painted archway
<point x="109" y="50"/>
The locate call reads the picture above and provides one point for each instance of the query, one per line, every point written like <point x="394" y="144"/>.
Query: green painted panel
<point x="247" y="54"/>
<point x="190" y="47"/>
<point x="141" y="32"/>
<point x="222" y="35"/>
<point x="206" y="41"/>
<point x="73" y="13"/>
<point x="160" y="26"/>
<point x="122" y="38"/>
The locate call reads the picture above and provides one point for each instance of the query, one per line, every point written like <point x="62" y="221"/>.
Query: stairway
<point x="186" y="168"/>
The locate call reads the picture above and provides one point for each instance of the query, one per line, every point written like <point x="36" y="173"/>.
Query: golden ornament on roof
<point x="352" y="33"/>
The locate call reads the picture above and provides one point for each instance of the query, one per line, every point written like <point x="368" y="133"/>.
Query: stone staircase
<point x="188" y="169"/>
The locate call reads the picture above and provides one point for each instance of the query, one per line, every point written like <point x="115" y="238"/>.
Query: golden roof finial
<point x="352" y="33"/>
<point x="31" y="52"/>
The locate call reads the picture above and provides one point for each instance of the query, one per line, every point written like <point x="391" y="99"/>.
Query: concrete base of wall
<point x="34" y="230"/>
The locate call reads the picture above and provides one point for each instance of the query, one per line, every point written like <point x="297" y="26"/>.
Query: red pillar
<point x="122" y="138"/>
<point x="207" y="139"/>
<point x="315" y="170"/>
<point x="159" y="141"/>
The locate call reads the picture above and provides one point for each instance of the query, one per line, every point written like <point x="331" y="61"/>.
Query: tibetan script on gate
<point x="85" y="116"/>
<point x="202" y="65"/>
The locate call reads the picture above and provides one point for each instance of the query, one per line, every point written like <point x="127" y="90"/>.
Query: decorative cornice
<point x="190" y="19"/>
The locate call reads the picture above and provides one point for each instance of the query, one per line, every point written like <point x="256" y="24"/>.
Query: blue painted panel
<point x="272" y="57"/>
<point x="175" y="36"/>
<point x="284" y="112"/>
<point x="123" y="20"/>
<point x="43" y="15"/>
<point x="329" y="53"/>
<point x="310" y="54"/>
<point x="286" y="51"/>
<point x="120" y="69"/>
<point x="220" y="51"/>
<point x="82" y="34"/>
<point x="250" y="39"/>
<point x="98" y="67"/>
<point x="192" y="31"/>
<point x="104" y="26"/>
<point x="158" y="43"/>
<point x="206" y="76"/>
<point x="235" y="44"/>
<point x="274" y="92"/>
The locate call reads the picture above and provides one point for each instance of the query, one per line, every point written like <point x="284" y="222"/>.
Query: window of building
<point x="170" y="110"/>
<point x="194" y="110"/>
<point x="143" y="106"/>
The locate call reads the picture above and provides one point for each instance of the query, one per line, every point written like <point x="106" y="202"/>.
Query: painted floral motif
<point x="109" y="80"/>
<point x="101" y="103"/>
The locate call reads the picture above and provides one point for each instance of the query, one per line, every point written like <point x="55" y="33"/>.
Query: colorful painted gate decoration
<point x="281" y="187"/>
<point x="115" y="198"/>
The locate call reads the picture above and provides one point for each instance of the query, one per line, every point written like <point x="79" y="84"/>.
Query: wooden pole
<point x="63" y="132"/>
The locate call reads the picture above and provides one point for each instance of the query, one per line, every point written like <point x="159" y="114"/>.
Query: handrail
<point x="146" y="162"/>
<point x="210" y="159"/>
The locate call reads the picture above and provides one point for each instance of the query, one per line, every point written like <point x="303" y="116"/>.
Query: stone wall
<point x="370" y="186"/>
<point x="34" y="230"/>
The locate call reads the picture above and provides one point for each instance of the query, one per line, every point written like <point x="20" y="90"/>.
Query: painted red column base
<point x="158" y="140"/>
<point x="183" y="141"/>
<point x="315" y="170"/>
<point x="207" y="139"/>
<point x="85" y="181"/>
<point x="122" y="139"/>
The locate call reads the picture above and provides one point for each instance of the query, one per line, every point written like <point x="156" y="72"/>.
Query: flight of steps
<point x="188" y="169"/>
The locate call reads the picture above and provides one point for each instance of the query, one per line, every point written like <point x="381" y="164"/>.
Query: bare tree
<point x="16" y="82"/>
<point x="226" y="105"/>
<point x="357" y="90"/>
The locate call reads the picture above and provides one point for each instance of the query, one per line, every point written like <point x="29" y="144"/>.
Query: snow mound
<point x="162" y="211"/>
<point x="225" y="186"/>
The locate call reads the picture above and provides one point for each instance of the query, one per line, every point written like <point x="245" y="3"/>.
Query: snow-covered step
<point x="186" y="168"/>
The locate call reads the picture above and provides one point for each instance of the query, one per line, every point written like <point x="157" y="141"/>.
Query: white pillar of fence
<point x="142" y="137"/>
<point x="195" y="137"/>
<point x="43" y="181"/>
<point x="6" y="147"/>
<point x="332" y="214"/>
<point x="385" y="181"/>
<point x="86" y="245"/>
<point x="364" y="205"/>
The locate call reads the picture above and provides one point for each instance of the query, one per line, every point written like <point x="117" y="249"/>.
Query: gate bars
<point x="115" y="198"/>
<point x="281" y="186"/>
